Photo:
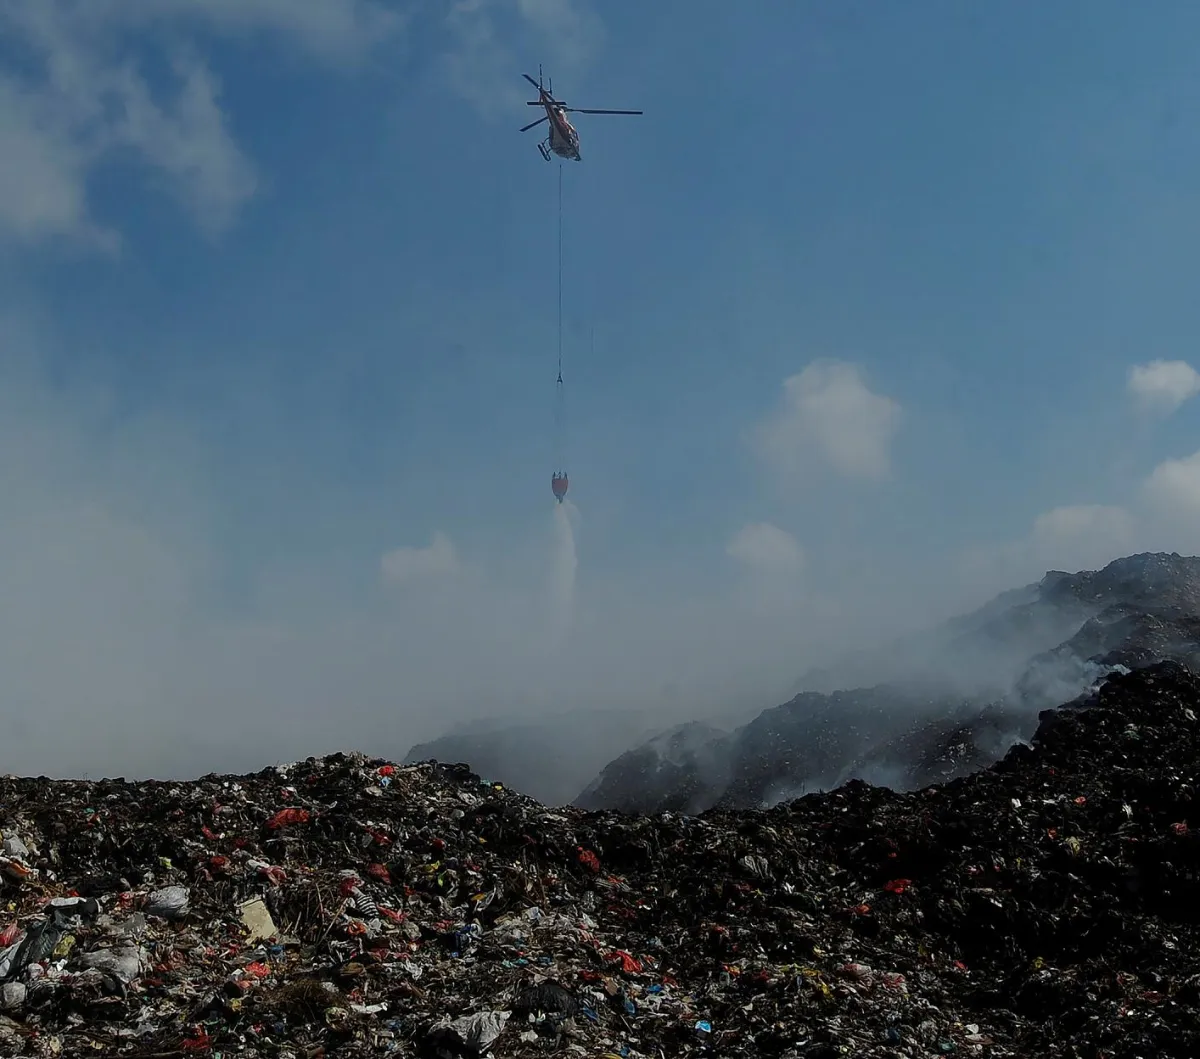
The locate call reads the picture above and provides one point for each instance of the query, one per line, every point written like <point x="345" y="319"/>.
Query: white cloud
<point x="1162" y="386"/>
<point x="570" y="25"/>
<point x="189" y="143"/>
<point x="766" y="548"/>
<point x="480" y="66"/>
<point x="492" y="47"/>
<point x="339" y="32"/>
<point x="828" y="412"/>
<point x="408" y="563"/>
<point x="78" y="98"/>
<point x="1173" y="489"/>
<point x="1162" y="514"/>
<point x="42" y="190"/>
<point x="1070" y="537"/>
<point x="1091" y="526"/>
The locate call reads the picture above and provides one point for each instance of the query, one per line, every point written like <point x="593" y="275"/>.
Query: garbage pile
<point x="1048" y="906"/>
<point x="956" y="703"/>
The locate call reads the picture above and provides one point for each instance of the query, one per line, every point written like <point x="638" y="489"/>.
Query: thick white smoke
<point x="563" y="568"/>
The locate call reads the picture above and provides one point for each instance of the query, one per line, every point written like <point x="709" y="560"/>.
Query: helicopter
<point x="563" y="139"/>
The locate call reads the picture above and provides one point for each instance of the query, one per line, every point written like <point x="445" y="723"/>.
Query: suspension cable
<point x="560" y="397"/>
<point x="560" y="241"/>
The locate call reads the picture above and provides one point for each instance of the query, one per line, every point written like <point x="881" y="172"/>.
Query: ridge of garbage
<point x="970" y="690"/>
<point x="346" y="906"/>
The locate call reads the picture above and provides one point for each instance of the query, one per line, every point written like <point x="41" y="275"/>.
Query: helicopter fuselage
<point x="563" y="139"/>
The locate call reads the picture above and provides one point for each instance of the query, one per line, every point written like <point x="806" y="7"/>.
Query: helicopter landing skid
<point x="545" y="151"/>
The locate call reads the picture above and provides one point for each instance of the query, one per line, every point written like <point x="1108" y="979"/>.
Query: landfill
<point x="346" y="906"/>
<point x="955" y="697"/>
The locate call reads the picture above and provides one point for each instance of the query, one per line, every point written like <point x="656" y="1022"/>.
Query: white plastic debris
<point x="171" y="902"/>
<point x="477" y="1032"/>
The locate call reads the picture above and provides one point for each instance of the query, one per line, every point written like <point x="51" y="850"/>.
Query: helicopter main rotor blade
<point x="581" y="110"/>
<point x="531" y="80"/>
<point x="533" y="123"/>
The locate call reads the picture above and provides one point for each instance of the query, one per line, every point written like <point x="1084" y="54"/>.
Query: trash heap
<point x="892" y="713"/>
<point x="1049" y="906"/>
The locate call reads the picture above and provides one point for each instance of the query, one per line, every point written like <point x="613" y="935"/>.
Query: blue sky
<point x="854" y="316"/>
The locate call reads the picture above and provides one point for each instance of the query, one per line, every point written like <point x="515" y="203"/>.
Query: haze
<point x="892" y="309"/>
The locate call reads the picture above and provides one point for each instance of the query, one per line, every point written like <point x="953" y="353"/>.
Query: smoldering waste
<point x="343" y="906"/>
<point x="956" y="697"/>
